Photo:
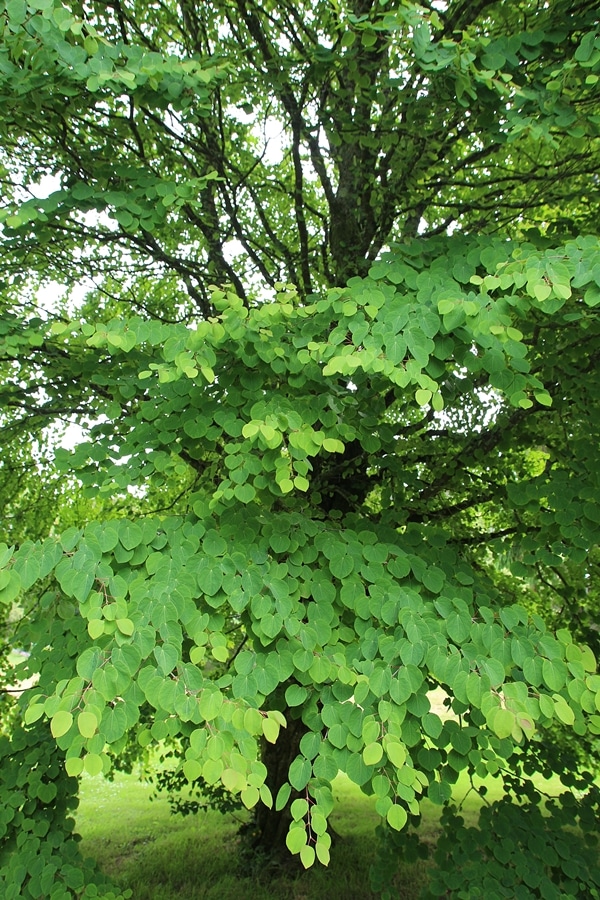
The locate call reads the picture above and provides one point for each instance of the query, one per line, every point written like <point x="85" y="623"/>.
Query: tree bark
<point x="270" y="825"/>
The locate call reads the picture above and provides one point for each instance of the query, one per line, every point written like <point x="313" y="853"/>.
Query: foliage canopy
<point x="337" y="361"/>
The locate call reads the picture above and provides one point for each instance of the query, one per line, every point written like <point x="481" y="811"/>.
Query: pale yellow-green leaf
<point x="396" y="753"/>
<point x="307" y="856"/>
<point x="60" y="723"/>
<point x="233" y="781"/>
<point x="93" y="763"/>
<point x="74" y="766"/>
<point x="270" y="729"/>
<point x="87" y="724"/>
<point x="192" y="769"/>
<point x="372" y="754"/>
<point x="250" y="797"/>
<point x="396" y="817"/>
<point x="95" y="628"/>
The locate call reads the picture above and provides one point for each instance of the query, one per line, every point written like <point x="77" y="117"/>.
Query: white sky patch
<point x="52" y="295"/>
<point x="269" y="132"/>
<point x="68" y="436"/>
<point x="272" y="134"/>
<point x="47" y="185"/>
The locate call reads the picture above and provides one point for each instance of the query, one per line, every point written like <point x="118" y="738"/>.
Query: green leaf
<point x="310" y="744"/>
<point x="250" y="797"/>
<point x="28" y="569"/>
<point x="439" y="793"/>
<point x="563" y="710"/>
<point x="333" y="445"/>
<point x="233" y="781"/>
<point x="396" y="817"/>
<point x="433" y="579"/>
<point x="130" y="534"/>
<point x="90" y="660"/>
<point x="245" y="493"/>
<point x="296" y="839"/>
<point x="87" y="723"/>
<point x="503" y="722"/>
<point x="266" y="796"/>
<point x="212" y="770"/>
<point x="395" y="753"/>
<point x="322" y="851"/>
<point x="396" y="347"/>
<point x="167" y="656"/>
<point x="357" y="770"/>
<point x="270" y="729"/>
<point x="93" y="763"/>
<point x="592" y="295"/>
<point x="10" y="586"/>
<point x="588" y="658"/>
<point x="108" y="537"/>
<point x="114" y="723"/>
<point x="301" y="483"/>
<point x="300" y="773"/>
<point x="210" y="704"/>
<point x="307" y="855"/>
<point x="295" y="694"/>
<point x="494" y="670"/>
<point x="33" y="713"/>
<point x="555" y="673"/>
<point x="192" y="769"/>
<point x="95" y="628"/>
<point x="213" y="544"/>
<point x="125" y="626"/>
<point x="341" y="566"/>
<point x="210" y="576"/>
<point x="542" y="291"/>
<point x="126" y="659"/>
<point x="458" y="626"/>
<point x="74" y="766"/>
<point x="299" y="808"/>
<point x="372" y="754"/>
<point x="283" y="795"/>
<point x="61" y="723"/>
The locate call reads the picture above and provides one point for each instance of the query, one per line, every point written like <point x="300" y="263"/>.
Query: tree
<point x="349" y="373"/>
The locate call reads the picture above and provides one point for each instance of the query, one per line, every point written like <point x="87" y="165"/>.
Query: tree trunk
<point x="271" y="826"/>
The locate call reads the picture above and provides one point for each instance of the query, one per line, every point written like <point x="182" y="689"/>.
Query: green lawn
<point x="162" y="857"/>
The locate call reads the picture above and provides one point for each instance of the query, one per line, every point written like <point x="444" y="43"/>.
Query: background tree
<point x="340" y="338"/>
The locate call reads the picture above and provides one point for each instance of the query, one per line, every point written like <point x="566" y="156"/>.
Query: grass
<point x="162" y="857"/>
